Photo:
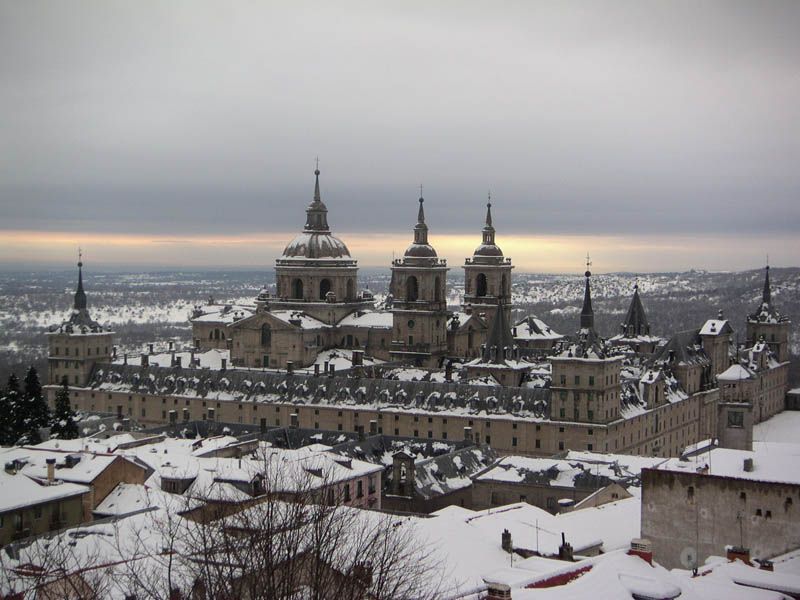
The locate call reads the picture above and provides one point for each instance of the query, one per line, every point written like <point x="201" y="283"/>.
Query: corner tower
<point x="316" y="273"/>
<point x="487" y="275"/>
<point x="419" y="308"/>
<point x="767" y="323"/>
<point x="77" y="344"/>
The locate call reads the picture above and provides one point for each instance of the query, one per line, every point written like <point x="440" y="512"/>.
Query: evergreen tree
<point x="64" y="425"/>
<point x="37" y="412"/>
<point x="15" y="418"/>
<point x="6" y="420"/>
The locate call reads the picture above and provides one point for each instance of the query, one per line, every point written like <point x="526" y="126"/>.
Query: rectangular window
<point x="514" y="442"/>
<point x="735" y="419"/>
<point x="563" y="380"/>
<point x="577" y="379"/>
<point x="560" y="445"/>
<point x="538" y="443"/>
<point x="488" y="439"/>
<point x="359" y="489"/>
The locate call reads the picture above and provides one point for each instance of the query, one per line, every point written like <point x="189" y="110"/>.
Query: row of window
<point x="77" y="351"/>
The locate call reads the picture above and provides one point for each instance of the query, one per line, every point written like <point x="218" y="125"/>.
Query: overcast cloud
<point x="204" y="117"/>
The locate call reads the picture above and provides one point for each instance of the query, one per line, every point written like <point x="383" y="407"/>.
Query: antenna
<point x="317" y="161"/>
<point x="420" y="190"/>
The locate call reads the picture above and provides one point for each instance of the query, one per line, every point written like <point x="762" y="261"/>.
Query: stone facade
<point x="707" y="513"/>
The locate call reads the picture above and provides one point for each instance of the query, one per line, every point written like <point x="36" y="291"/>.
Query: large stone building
<point x="449" y="375"/>
<point x="695" y="509"/>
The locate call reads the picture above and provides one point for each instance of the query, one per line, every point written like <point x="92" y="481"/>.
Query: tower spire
<point x="317" y="212"/>
<point x="766" y="297"/>
<point x="80" y="295"/>
<point x="317" y="197"/>
<point x="587" y="314"/>
<point x="489" y="211"/>
<point x="421" y="229"/>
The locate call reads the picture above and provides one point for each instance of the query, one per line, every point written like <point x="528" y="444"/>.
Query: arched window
<point x="437" y="294"/>
<point x="216" y="334"/>
<point x="349" y="341"/>
<point x="480" y="285"/>
<point x="351" y="289"/>
<point x="266" y="335"/>
<point x="324" y="288"/>
<point x="412" y="289"/>
<point x="210" y="336"/>
<point x="297" y="289"/>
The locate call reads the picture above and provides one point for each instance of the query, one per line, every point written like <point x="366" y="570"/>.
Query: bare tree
<point x="294" y="538"/>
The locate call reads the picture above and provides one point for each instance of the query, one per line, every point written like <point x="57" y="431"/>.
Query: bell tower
<point x="77" y="344"/>
<point x="487" y="275"/>
<point x="419" y="305"/>
<point x="767" y="323"/>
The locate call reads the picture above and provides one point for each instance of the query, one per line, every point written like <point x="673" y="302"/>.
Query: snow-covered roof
<point x="582" y="470"/>
<point x="222" y="313"/>
<point x="19" y="491"/>
<point x="715" y="327"/>
<point x="369" y="318"/>
<point x="209" y="359"/>
<point x="74" y="467"/>
<point x="607" y="527"/>
<point x="735" y="373"/>
<point x="533" y="328"/>
<point x="299" y="319"/>
<point x="768" y="466"/>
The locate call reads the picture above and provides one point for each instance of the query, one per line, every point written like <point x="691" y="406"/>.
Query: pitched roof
<point x="636" y="320"/>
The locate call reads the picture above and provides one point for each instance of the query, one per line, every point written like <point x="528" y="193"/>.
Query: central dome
<point x="311" y="245"/>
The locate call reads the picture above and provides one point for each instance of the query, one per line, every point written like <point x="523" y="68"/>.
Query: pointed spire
<point x="317" y="197"/>
<point x="489" y="211"/>
<point x="317" y="212"/>
<point x="421" y="229"/>
<point x="499" y="338"/>
<point x="636" y="320"/>
<point x="587" y="314"/>
<point x="766" y="297"/>
<point x="80" y="295"/>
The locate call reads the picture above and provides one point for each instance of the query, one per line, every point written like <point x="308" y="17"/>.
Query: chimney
<point x="513" y="332"/>
<point x="125" y="359"/>
<point x="748" y="465"/>
<point x="358" y="358"/>
<point x="51" y="470"/>
<point x="171" y="346"/>
<point x="642" y="548"/>
<point x="197" y="344"/>
<point x="224" y="363"/>
<point x="114" y="352"/>
<point x="145" y="360"/>
<point x="448" y="371"/>
<point x="316" y="369"/>
<point x="289" y="367"/>
<point x="565" y="549"/>
<point x="739" y="553"/>
<point x="191" y="359"/>
<point x="172" y="358"/>
<point x="294" y="420"/>
<point x="150" y="348"/>
<point x="497" y="591"/>
<point x="373" y="427"/>
<point x="468" y="434"/>
<point x="178" y="361"/>
<point x="331" y="370"/>
<point x="765" y="565"/>
<point x="126" y="424"/>
<point x="505" y="541"/>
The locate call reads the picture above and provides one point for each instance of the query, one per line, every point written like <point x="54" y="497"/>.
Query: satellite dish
<point x="689" y="558"/>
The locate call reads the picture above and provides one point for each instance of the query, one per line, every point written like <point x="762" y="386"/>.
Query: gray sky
<point x="203" y="118"/>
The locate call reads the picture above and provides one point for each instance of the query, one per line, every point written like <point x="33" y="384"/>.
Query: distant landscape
<point x="155" y="306"/>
